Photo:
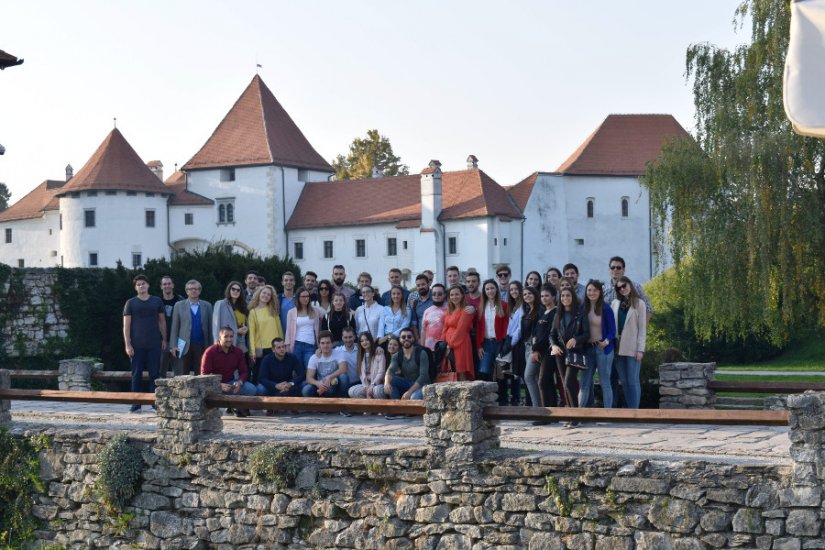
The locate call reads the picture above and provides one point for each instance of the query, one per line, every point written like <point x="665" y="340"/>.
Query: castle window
<point x="452" y="245"/>
<point x="21" y="263"/>
<point x="360" y="248"/>
<point x="92" y="259"/>
<point x="625" y="207"/>
<point x="226" y="210"/>
<point x="150" y="218"/>
<point x="89" y="217"/>
<point x="299" y="251"/>
<point x="8" y="234"/>
<point x="590" y="203"/>
<point x="392" y="246"/>
<point x="137" y="259"/>
<point x="188" y="218"/>
<point x="228" y="174"/>
<point x="328" y="249"/>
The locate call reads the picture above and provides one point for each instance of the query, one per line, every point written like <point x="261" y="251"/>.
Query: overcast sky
<point x="518" y="84"/>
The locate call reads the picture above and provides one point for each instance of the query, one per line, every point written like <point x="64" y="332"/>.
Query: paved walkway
<point x="736" y="444"/>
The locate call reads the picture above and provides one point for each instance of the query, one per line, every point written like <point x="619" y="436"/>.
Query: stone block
<point x="803" y="523"/>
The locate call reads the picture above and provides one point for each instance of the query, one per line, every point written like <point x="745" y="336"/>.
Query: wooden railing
<point x="103" y="375"/>
<point x="416" y="408"/>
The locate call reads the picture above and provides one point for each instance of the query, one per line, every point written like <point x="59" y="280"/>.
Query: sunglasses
<point x="406" y="337"/>
<point x="502" y="275"/>
<point x="622" y="286"/>
<point x="234" y="289"/>
<point x="615" y="267"/>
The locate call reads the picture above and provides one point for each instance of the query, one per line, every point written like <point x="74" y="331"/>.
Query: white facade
<point x="35" y="242"/>
<point x="120" y="229"/>
<point x="558" y="228"/>
<point x="262" y="198"/>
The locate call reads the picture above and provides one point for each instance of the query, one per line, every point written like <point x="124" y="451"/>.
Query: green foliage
<point x="5" y="196"/>
<point x="364" y="154"/>
<point x="742" y="209"/>
<point x="272" y="463"/>
<point x="120" y="471"/>
<point x="19" y="482"/>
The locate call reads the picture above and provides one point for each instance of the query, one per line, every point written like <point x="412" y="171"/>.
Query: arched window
<point x="625" y="207"/>
<point x="221" y="213"/>
<point x="230" y="213"/>
<point x="590" y="203"/>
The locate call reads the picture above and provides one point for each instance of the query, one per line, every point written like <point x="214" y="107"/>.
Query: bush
<point x="19" y="482"/>
<point x="271" y="463"/>
<point x="120" y="470"/>
<point x="670" y="337"/>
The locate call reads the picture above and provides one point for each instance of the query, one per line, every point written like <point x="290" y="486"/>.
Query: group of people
<point x="327" y="339"/>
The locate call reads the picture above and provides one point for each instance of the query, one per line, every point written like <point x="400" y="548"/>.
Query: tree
<point x="364" y="154"/>
<point x="5" y="196"/>
<point x="742" y="208"/>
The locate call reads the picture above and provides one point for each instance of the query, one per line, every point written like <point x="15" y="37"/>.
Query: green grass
<point x="805" y="355"/>
<point x="725" y="377"/>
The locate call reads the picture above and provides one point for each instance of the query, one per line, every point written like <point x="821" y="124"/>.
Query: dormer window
<point x="227" y="174"/>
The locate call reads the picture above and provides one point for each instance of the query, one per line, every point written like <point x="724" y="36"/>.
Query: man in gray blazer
<point x="191" y="330"/>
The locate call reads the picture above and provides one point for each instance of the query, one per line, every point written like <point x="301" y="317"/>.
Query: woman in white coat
<point x="631" y="328"/>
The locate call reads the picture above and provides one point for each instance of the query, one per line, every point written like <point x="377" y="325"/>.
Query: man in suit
<point x="192" y="323"/>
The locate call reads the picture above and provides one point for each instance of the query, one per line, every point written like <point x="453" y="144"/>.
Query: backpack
<point x="417" y="351"/>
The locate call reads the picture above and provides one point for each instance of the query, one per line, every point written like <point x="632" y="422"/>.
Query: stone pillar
<point x="183" y="416"/>
<point x="5" y="404"/>
<point x="806" y="419"/>
<point x="685" y="386"/>
<point x="76" y="374"/>
<point x="456" y="430"/>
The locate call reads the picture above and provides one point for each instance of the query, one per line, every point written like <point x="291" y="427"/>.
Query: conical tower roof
<point x="115" y="166"/>
<point x="257" y="131"/>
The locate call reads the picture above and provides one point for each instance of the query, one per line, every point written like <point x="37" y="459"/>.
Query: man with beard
<point x="251" y="282"/>
<point x="339" y="275"/>
<point x="408" y="371"/>
<point x="418" y="302"/>
<point x="169" y="299"/>
<point x="432" y="322"/>
<point x="394" y="278"/>
<point x="473" y="297"/>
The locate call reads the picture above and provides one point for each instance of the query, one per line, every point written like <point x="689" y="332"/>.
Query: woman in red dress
<point x="457" y="324"/>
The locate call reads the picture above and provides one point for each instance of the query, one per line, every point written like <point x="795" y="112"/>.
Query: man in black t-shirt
<point x="169" y="299"/>
<point x="144" y="333"/>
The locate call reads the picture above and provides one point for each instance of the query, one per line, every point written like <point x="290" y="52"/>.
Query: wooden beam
<point x="33" y="374"/>
<point x="764" y="387"/>
<point x="652" y="416"/>
<point x="319" y="404"/>
<point x="127" y="398"/>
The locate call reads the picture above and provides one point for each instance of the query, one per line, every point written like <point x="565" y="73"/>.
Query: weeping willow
<point x="741" y="209"/>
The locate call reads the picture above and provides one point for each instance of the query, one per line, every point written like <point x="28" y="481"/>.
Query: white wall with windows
<point x="112" y="226"/>
<point x="35" y="241"/>
<point x="586" y="220"/>
<point x="190" y="236"/>
<point x="251" y="203"/>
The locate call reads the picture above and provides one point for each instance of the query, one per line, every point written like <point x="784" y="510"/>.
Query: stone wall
<point x="34" y="316"/>
<point x="457" y="490"/>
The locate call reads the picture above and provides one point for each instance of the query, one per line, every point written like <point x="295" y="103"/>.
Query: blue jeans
<point x="309" y="390"/>
<point x="628" y="369"/>
<point x="148" y="359"/>
<point x="295" y="391"/>
<point x="597" y="361"/>
<point x="303" y="351"/>
<point x="401" y="385"/>
<point x="490" y="347"/>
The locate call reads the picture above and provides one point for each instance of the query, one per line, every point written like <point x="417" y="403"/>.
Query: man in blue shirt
<point x="282" y="374"/>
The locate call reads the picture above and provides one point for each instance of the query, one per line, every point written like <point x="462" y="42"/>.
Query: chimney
<point x="431" y="199"/>
<point x="377" y="172"/>
<point x="69" y="172"/>
<point x="156" y="167"/>
<point x="472" y="162"/>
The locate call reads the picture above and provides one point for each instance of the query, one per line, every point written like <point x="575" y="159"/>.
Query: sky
<point x="518" y="84"/>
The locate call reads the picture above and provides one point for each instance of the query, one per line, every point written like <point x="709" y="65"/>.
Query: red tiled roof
<point x="181" y="196"/>
<point x="115" y="166"/>
<point x="465" y="194"/>
<point x="41" y="198"/>
<point x="257" y="130"/>
<point x="622" y="145"/>
<point x="520" y="192"/>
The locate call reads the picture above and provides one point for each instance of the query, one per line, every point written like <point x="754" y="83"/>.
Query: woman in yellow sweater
<point x="264" y="325"/>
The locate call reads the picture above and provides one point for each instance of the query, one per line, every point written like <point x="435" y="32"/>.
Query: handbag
<point x="446" y="370"/>
<point x="576" y="359"/>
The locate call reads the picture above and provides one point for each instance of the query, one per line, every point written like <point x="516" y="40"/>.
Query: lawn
<point x="808" y="355"/>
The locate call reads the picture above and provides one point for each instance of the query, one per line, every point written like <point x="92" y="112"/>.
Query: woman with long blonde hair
<point x="264" y="325"/>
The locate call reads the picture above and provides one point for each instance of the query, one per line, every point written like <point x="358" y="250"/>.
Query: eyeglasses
<point x="622" y="286"/>
<point x="615" y="267"/>
<point x="191" y="288"/>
